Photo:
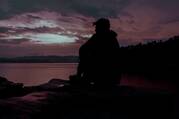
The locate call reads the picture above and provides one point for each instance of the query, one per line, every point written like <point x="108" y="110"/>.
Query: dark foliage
<point x="154" y="58"/>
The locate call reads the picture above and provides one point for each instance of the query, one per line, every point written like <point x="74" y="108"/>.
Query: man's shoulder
<point x="94" y="36"/>
<point x="113" y="33"/>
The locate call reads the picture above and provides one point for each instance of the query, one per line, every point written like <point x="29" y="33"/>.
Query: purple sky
<point x="60" y="27"/>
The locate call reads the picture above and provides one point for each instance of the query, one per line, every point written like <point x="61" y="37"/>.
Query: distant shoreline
<point x="41" y="59"/>
<point x="37" y="62"/>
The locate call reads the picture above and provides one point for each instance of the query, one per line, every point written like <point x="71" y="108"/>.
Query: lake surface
<point x="38" y="73"/>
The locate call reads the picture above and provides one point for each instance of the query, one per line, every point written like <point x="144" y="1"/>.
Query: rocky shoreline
<point x="54" y="101"/>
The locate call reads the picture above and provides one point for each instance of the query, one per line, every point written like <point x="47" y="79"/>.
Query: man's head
<point x="102" y="25"/>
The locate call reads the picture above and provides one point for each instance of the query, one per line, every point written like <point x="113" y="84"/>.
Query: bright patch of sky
<point x="87" y="35"/>
<point x="33" y="24"/>
<point x="45" y="38"/>
<point x="44" y="23"/>
<point x="52" y="38"/>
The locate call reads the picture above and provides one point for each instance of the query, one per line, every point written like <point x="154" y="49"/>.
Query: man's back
<point x="99" y="57"/>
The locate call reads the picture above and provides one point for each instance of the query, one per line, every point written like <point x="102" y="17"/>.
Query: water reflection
<point x="38" y="73"/>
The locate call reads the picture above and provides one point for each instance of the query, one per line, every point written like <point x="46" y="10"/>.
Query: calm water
<point x="36" y="73"/>
<point x="39" y="73"/>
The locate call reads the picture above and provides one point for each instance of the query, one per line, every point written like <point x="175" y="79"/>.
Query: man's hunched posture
<point x="99" y="56"/>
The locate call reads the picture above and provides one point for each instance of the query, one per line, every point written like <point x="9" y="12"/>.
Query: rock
<point x="57" y="81"/>
<point x="2" y="79"/>
<point x="9" y="89"/>
<point x="5" y="82"/>
<point x="51" y="85"/>
<point x="123" y="102"/>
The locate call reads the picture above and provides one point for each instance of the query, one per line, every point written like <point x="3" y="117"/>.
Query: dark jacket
<point x="99" y="57"/>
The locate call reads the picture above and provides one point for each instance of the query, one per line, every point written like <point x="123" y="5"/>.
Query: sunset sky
<point x="60" y="27"/>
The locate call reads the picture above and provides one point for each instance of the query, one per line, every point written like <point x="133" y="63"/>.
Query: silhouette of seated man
<point x="98" y="57"/>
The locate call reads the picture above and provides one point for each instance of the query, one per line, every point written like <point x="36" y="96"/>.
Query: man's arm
<point x="79" y="70"/>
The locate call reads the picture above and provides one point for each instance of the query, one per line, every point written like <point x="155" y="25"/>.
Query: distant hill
<point x="41" y="59"/>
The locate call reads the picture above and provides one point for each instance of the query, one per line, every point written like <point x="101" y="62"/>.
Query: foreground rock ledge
<point x="51" y="101"/>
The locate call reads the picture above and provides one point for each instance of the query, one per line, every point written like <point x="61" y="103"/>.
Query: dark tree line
<point x="154" y="58"/>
